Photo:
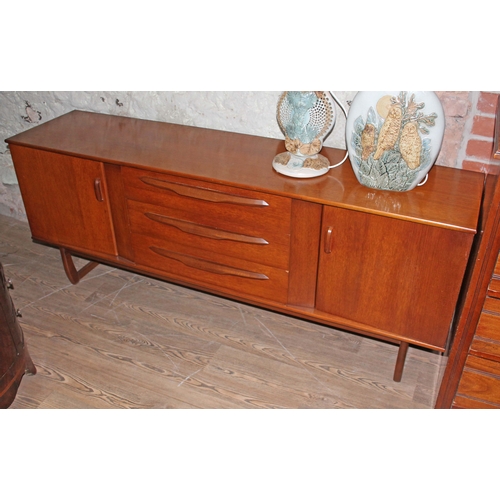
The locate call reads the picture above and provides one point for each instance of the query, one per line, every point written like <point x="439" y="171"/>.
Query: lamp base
<point x="301" y="166"/>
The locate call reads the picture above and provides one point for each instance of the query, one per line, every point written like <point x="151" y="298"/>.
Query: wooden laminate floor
<point x="122" y="340"/>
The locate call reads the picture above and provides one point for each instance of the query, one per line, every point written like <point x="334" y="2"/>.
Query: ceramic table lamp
<point x="305" y="118"/>
<point x="394" y="138"/>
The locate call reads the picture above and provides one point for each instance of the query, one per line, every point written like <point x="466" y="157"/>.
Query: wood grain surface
<point x="449" y="198"/>
<point x="122" y="340"/>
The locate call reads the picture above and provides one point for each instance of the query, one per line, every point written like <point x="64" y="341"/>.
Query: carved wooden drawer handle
<point x="203" y="193"/>
<point x="206" y="265"/>
<point x="98" y="190"/>
<point x="205" y="231"/>
<point x="329" y="240"/>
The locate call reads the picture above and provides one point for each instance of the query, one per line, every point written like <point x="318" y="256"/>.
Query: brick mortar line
<point x="482" y="138"/>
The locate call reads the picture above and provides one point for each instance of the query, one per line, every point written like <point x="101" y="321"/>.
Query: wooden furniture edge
<point x="496" y="146"/>
<point x="31" y="139"/>
<point x="483" y="264"/>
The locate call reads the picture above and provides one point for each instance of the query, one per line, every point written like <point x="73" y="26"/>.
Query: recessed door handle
<point x="329" y="240"/>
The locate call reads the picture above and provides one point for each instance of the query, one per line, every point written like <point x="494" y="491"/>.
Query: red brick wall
<point x="457" y="110"/>
<point x="478" y="154"/>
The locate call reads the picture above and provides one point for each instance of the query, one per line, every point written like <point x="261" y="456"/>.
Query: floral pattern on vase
<point x="394" y="138"/>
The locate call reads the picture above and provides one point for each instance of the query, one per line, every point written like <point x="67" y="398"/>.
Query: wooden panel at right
<point x="391" y="275"/>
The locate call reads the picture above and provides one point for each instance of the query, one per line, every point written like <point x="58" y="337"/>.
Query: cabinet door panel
<point x="391" y="275"/>
<point x="65" y="199"/>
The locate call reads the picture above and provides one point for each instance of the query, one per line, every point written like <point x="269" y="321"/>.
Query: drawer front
<point x="485" y="348"/>
<point x="228" y="209"/>
<point x="489" y="326"/>
<point x="227" y="239"/>
<point x="494" y="287"/>
<point x="206" y="268"/>
<point x="466" y="403"/>
<point x="497" y="267"/>
<point x="489" y="322"/>
<point x="486" y="342"/>
<point x="479" y="385"/>
<point x="158" y="222"/>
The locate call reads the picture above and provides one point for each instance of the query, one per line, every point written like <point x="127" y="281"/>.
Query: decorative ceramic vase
<point x="394" y="138"/>
<point x="305" y="118"/>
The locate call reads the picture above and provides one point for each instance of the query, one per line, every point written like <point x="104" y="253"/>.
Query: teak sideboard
<point x="205" y="209"/>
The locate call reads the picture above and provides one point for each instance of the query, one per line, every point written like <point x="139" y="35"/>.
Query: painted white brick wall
<point x="244" y="112"/>
<point x="237" y="111"/>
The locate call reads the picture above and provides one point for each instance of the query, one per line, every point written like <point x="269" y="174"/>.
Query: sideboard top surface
<point x="450" y="198"/>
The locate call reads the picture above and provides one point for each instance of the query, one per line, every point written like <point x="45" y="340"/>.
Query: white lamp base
<point x="296" y="166"/>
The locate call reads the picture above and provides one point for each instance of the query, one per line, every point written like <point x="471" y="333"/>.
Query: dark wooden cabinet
<point x="472" y="376"/>
<point x="205" y="209"/>
<point x="14" y="358"/>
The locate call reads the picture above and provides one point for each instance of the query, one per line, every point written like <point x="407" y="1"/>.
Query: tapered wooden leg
<point x="73" y="275"/>
<point x="400" y="362"/>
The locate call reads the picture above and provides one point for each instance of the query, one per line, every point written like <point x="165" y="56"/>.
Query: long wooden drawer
<point x="486" y="342"/>
<point x="489" y="322"/>
<point x="225" y="238"/>
<point x="230" y="209"/>
<point x="496" y="272"/>
<point x="480" y="384"/>
<point x="494" y="287"/>
<point x="175" y="232"/>
<point x="202" y="267"/>
<point x="465" y="403"/>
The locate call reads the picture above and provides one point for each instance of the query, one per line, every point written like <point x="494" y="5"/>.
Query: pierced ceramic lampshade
<point x="305" y="118"/>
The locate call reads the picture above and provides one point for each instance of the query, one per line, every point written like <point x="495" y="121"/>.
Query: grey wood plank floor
<point x="123" y="340"/>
